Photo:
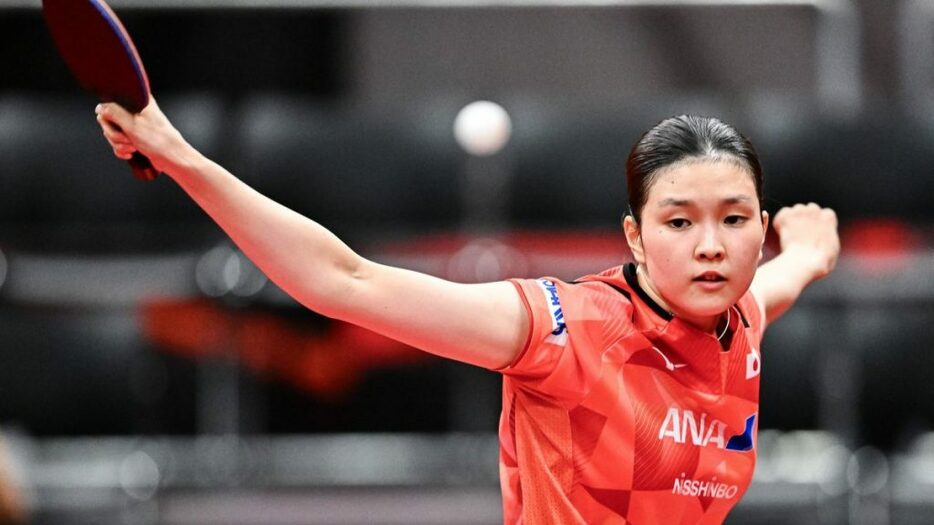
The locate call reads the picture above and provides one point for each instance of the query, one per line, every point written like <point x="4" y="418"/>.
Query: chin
<point x="710" y="306"/>
<point x="701" y="312"/>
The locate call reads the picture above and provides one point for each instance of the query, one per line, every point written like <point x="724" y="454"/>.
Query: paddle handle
<point x="142" y="168"/>
<point x="139" y="163"/>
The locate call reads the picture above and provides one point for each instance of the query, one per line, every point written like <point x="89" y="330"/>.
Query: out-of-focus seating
<point x="58" y="169"/>
<point x="350" y="170"/>
<point x="569" y="161"/>
<point x="875" y="166"/>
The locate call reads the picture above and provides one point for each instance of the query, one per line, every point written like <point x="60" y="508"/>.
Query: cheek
<point x="668" y="254"/>
<point x="666" y="257"/>
<point x="667" y="247"/>
<point x="752" y="242"/>
<point x="745" y="254"/>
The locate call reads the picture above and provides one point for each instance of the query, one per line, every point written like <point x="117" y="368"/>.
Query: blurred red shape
<point x="882" y="244"/>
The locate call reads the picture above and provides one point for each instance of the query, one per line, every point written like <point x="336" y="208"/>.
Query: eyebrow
<point x="737" y="199"/>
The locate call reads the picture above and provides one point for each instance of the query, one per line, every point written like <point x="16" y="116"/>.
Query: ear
<point x="634" y="239"/>
<point x="765" y="231"/>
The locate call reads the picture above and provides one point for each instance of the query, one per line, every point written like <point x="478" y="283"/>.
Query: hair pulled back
<point x="685" y="137"/>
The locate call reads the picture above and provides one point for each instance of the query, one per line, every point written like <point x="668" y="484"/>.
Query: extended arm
<point x="481" y="324"/>
<point x="810" y="247"/>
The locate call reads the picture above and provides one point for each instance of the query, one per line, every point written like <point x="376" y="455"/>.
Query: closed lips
<point x="710" y="276"/>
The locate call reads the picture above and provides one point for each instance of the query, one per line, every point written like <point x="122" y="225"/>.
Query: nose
<point x="709" y="247"/>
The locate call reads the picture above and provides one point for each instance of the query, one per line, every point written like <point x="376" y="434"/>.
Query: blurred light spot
<point x="867" y="471"/>
<point x="251" y="280"/>
<point x="209" y="270"/>
<point x="224" y="271"/>
<point x="230" y="275"/>
<point x="485" y="260"/>
<point x="139" y="476"/>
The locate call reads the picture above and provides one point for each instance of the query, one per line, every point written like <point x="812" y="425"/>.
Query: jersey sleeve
<point x="562" y="353"/>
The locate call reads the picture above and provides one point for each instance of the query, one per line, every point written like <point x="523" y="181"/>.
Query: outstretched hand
<point x="810" y="247"/>
<point x="148" y="132"/>
<point x="809" y="232"/>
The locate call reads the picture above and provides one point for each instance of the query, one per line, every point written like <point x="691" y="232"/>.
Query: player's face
<point x="700" y="238"/>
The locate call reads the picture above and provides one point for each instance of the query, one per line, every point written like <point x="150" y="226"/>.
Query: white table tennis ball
<point x="482" y="128"/>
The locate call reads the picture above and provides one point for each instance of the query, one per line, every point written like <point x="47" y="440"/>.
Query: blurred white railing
<point x="411" y="478"/>
<point x="75" y="475"/>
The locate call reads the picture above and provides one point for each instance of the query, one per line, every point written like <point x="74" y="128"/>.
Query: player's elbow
<point x="336" y="293"/>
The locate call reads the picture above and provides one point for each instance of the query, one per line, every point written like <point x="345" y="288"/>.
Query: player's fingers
<point x="779" y="218"/>
<point x="114" y="113"/>
<point x="124" y="148"/>
<point x="817" y="212"/>
<point x="111" y="133"/>
<point x="124" y="151"/>
<point x="111" y="129"/>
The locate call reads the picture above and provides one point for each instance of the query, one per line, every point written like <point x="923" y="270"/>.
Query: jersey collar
<point x="650" y="316"/>
<point x="629" y="274"/>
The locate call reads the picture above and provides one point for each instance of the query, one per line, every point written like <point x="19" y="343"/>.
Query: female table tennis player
<point x="630" y="396"/>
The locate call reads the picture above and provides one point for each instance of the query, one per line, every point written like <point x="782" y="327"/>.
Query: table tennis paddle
<point x="102" y="57"/>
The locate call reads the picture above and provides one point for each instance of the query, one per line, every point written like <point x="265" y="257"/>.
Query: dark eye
<point x="679" y="224"/>
<point x="735" y="220"/>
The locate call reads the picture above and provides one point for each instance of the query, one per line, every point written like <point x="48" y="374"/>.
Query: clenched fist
<point x="810" y="233"/>
<point x="148" y="132"/>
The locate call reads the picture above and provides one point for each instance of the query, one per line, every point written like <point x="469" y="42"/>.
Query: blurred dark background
<point x="150" y="374"/>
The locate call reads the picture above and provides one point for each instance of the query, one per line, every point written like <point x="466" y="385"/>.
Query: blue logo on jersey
<point x="743" y="442"/>
<point x="557" y="313"/>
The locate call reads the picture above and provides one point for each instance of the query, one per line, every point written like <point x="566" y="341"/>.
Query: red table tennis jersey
<point x="617" y="413"/>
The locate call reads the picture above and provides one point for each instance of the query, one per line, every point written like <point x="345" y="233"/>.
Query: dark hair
<point x="685" y="137"/>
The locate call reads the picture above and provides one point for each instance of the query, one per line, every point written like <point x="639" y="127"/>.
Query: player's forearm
<point x="810" y="247"/>
<point x="779" y="282"/>
<point x="305" y="259"/>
